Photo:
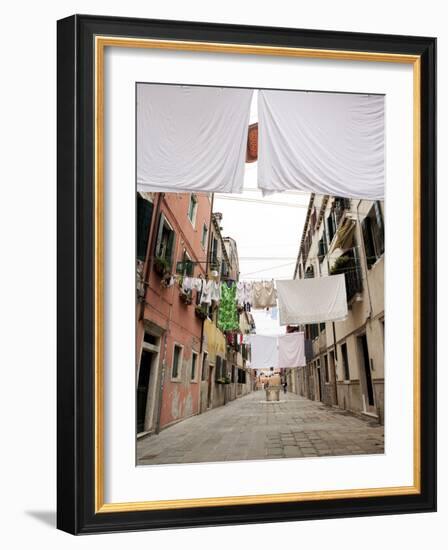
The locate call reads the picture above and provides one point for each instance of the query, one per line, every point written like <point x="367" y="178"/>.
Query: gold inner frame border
<point x="100" y="43"/>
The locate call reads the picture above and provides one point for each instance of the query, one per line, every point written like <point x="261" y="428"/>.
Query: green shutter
<point x="143" y="226"/>
<point x="159" y="235"/>
<point x="368" y="241"/>
<point x="170" y="248"/>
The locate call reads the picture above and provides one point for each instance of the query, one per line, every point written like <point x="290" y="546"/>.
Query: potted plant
<point x="341" y="265"/>
<point x="161" y="265"/>
<point x="185" y="297"/>
<point x="201" y="311"/>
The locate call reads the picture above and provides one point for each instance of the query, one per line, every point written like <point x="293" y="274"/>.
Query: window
<point x="373" y="234"/>
<point x="313" y="331"/>
<point x="144" y="216"/>
<point x="150" y="339"/>
<point x="194" y="362"/>
<point x="165" y="242"/>
<point x="332" y="364"/>
<point x="218" y="368"/>
<point x="331" y="226"/>
<point x="204" y="236"/>
<point x="327" y="373"/>
<point x="233" y="373"/>
<point x="214" y="253"/>
<point x="309" y="273"/>
<point x="186" y="266"/>
<point x="345" y="366"/>
<point x="322" y="327"/>
<point x="241" y="376"/>
<point x="192" y="208"/>
<point x="204" y="367"/>
<point x="177" y="361"/>
<point x="323" y="248"/>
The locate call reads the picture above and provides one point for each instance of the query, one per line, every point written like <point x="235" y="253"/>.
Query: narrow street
<point x="250" y="428"/>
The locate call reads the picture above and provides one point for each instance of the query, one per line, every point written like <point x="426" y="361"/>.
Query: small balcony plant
<point x="161" y="265"/>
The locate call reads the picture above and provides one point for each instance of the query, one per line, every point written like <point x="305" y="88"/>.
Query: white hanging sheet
<point x="264" y="353"/>
<point x="191" y="138"/>
<point x="327" y="143"/>
<point x="302" y="301"/>
<point x="291" y="350"/>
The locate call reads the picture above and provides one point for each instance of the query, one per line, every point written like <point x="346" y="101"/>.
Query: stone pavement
<point x="250" y="428"/>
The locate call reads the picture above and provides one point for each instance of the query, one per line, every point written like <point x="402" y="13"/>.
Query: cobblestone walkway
<point x="250" y="428"/>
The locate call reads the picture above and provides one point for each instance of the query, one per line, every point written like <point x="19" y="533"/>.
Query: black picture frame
<point x="76" y="511"/>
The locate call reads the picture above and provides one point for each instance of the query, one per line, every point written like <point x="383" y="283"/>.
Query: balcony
<point x="353" y="283"/>
<point x="349" y="266"/>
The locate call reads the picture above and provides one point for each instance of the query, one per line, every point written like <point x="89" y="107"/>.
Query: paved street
<point x="250" y="428"/>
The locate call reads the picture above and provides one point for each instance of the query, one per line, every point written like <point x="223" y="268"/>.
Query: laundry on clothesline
<point x="264" y="351"/>
<point x="291" y="350"/>
<point x="264" y="294"/>
<point x="284" y="351"/>
<point x="303" y="301"/>
<point x="176" y="124"/>
<point x="326" y="143"/>
<point x="248" y="294"/>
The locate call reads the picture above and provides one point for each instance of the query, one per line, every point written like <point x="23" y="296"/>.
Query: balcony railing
<point x="349" y="266"/>
<point x="353" y="282"/>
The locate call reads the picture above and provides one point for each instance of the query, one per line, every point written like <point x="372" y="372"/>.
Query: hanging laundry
<point x="176" y="124"/>
<point x="263" y="294"/>
<point x="240" y="293"/>
<point x="303" y="301"/>
<point x="326" y="143"/>
<point x="206" y="294"/>
<point x="291" y="350"/>
<point x="197" y="284"/>
<point x="215" y="292"/>
<point x="264" y="352"/>
<point x="187" y="284"/>
<point x="228" y="318"/>
<point x="248" y="293"/>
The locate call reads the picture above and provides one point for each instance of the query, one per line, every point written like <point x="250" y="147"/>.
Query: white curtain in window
<point x="302" y="301"/>
<point x="326" y="143"/>
<point x="191" y="138"/>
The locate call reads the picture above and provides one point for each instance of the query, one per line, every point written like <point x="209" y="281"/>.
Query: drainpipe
<point x="366" y="267"/>
<point x="207" y="253"/>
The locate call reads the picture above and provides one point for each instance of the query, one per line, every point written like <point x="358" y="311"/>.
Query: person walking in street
<point x="285" y="386"/>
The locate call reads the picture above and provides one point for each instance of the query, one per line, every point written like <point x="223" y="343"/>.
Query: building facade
<point x="225" y="375"/>
<point x="172" y="239"/>
<point x="345" y="359"/>
<point x="185" y="363"/>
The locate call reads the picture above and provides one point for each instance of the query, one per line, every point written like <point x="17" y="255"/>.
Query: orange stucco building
<point x="172" y="238"/>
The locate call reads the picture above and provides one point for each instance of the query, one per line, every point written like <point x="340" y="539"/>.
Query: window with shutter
<point x="165" y="241"/>
<point x="218" y="368"/>
<point x="368" y="242"/>
<point x="373" y="234"/>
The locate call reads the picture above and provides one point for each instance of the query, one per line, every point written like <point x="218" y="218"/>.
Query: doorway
<point x="319" y="381"/>
<point x="211" y="374"/>
<point x="366" y="375"/>
<point x="144" y="379"/>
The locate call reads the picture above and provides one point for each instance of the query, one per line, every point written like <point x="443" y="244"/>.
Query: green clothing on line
<point x="228" y="318"/>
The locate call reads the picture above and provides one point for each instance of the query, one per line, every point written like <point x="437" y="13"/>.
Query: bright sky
<point x="267" y="232"/>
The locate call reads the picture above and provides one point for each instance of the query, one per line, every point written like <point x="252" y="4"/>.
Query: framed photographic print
<point x="246" y="274"/>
